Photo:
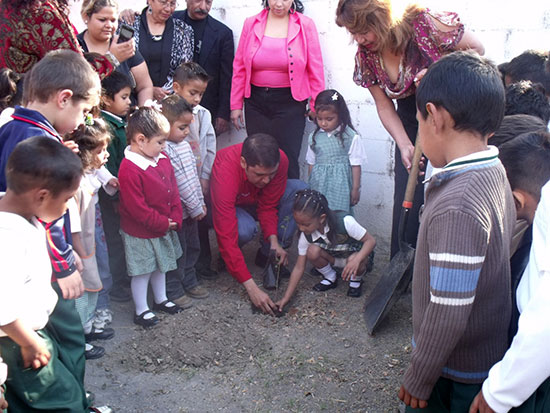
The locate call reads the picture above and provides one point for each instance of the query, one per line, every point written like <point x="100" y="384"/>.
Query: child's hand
<point x="35" y="355"/>
<point x="351" y="268"/>
<point x="281" y="304"/>
<point x="200" y="217"/>
<point x="72" y="286"/>
<point x="78" y="261"/>
<point x="3" y="402"/>
<point x="205" y="186"/>
<point x="410" y="400"/>
<point x="113" y="182"/>
<point x="355" y="196"/>
<point x="72" y="145"/>
<point x="172" y="225"/>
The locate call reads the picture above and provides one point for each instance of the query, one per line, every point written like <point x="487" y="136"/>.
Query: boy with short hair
<point x="115" y="105"/>
<point x="184" y="279"/>
<point x="521" y="377"/>
<point x="190" y="82"/>
<point x="59" y="91"/>
<point x="461" y="279"/>
<point x="527" y="98"/>
<point x="42" y="176"/>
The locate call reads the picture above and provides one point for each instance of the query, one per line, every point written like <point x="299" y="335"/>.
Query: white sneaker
<point x="104" y="315"/>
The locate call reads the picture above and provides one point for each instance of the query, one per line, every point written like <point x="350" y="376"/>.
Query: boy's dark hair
<point x="147" y="121"/>
<point x="330" y="99"/>
<point x="114" y="83"/>
<point x="190" y="71"/>
<point x="315" y="204"/>
<point x="513" y="126"/>
<point x="261" y="149"/>
<point x="89" y="136"/>
<point x="297" y="4"/>
<point x="530" y="65"/>
<point x="468" y="87"/>
<point x="42" y="162"/>
<point x="59" y="70"/>
<point x="174" y="106"/>
<point x="527" y="98"/>
<point x="526" y="159"/>
<point x="10" y="88"/>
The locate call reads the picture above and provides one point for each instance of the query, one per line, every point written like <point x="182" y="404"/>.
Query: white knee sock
<point x="158" y="283"/>
<point x="355" y="281"/>
<point x="329" y="273"/>
<point x="139" y="293"/>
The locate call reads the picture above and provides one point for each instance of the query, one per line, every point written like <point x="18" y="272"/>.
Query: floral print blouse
<point x="427" y="46"/>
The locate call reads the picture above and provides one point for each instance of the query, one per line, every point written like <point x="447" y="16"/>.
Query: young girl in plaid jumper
<point x="335" y="153"/>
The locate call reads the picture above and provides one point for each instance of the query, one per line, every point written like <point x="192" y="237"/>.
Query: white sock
<point x="355" y="281"/>
<point x="158" y="282"/>
<point x="139" y="293"/>
<point x="328" y="273"/>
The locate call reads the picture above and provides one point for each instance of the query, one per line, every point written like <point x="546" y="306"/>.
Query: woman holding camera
<point x="101" y="17"/>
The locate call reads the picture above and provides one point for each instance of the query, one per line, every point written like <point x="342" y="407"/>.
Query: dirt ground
<point x="219" y="355"/>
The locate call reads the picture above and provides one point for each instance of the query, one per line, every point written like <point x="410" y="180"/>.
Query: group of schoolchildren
<point x="154" y="163"/>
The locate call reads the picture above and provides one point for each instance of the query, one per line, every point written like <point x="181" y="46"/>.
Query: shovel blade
<point x="394" y="281"/>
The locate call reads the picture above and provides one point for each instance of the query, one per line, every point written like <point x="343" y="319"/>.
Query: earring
<point x="149" y="10"/>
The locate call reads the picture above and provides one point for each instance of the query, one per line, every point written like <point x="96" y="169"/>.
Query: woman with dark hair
<point x="31" y="28"/>
<point x="101" y="17"/>
<point x="391" y="54"/>
<point x="278" y="66"/>
<point x="164" y="42"/>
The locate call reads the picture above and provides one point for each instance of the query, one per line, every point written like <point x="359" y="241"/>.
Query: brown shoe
<point x="184" y="301"/>
<point x="198" y="292"/>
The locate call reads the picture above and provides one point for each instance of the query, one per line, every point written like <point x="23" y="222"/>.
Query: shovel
<point x="397" y="275"/>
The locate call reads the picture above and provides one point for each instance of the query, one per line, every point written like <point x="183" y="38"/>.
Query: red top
<point x="230" y="188"/>
<point x="148" y="198"/>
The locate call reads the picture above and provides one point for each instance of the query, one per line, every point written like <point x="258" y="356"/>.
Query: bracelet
<point x="111" y="57"/>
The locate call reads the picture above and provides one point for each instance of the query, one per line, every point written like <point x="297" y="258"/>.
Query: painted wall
<point x="505" y="29"/>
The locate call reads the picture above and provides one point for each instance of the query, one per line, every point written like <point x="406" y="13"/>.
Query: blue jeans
<point x="185" y="276"/>
<point x="102" y="258"/>
<point x="286" y="226"/>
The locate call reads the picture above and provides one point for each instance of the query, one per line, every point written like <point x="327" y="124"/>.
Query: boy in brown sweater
<point x="461" y="282"/>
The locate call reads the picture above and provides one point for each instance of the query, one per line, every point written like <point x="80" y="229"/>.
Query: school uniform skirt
<point x="145" y="255"/>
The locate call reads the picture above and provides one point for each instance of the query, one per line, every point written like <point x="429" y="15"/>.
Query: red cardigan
<point x="305" y="61"/>
<point x="148" y="198"/>
<point x="230" y="188"/>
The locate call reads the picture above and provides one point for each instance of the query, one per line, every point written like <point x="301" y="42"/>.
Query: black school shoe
<point x="93" y="352"/>
<point x="355" y="292"/>
<point x="325" y="287"/>
<point x="165" y="308"/>
<point x="100" y="334"/>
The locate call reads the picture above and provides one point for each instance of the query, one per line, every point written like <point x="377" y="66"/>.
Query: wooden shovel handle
<point x="413" y="175"/>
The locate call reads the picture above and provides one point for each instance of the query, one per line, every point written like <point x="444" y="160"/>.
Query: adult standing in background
<point x="278" y="66"/>
<point x="213" y="50"/>
<point x="164" y="42"/>
<point x="390" y="55"/>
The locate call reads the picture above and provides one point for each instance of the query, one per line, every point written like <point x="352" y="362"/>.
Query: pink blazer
<point x="305" y="62"/>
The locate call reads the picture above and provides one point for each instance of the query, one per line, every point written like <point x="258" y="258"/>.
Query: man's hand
<point x="259" y="298"/>
<point x="71" y="286"/>
<point x="221" y="126"/>
<point x="410" y="400"/>
<point x="35" y="355"/>
<point x="480" y="405"/>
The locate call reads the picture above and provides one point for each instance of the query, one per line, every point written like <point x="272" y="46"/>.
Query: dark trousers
<point x="406" y="109"/>
<point x="111" y="226"/>
<point x="449" y="396"/>
<point x="275" y="112"/>
<point x="185" y="276"/>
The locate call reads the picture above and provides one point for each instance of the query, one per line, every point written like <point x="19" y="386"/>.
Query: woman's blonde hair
<point x="361" y="16"/>
<point x="90" y="7"/>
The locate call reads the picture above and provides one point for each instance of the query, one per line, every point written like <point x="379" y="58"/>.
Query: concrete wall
<point x="505" y="28"/>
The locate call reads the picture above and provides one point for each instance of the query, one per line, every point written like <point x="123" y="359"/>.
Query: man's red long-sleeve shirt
<point x="230" y="188"/>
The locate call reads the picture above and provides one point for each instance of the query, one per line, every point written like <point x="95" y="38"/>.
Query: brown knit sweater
<point x="461" y="281"/>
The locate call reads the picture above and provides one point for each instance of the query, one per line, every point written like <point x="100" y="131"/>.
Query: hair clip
<point x="334" y="96"/>
<point x="89" y="120"/>
<point x="150" y="103"/>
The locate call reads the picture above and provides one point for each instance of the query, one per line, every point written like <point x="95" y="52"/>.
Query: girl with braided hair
<point x="328" y="238"/>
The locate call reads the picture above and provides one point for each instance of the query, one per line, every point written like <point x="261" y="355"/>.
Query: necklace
<point x="156" y="37"/>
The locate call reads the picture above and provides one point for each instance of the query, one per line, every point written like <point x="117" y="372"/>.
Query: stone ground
<point x="219" y="355"/>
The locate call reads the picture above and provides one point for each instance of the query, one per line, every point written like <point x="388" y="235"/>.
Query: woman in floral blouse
<point x="390" y="55"/>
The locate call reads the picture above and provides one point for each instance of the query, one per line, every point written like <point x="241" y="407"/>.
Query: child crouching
<point x="150" y="213"/>
<point x="328" y="238"/>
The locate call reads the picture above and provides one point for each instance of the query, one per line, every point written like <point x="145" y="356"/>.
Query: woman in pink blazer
<point x="278" y="66"/>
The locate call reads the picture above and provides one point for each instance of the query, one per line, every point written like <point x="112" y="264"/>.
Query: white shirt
<point x="353" y="228"/>
<point x="357" y="151"/>
<point x="141" y="161"/>
<point x="26" y="292"/>
<point x="526" y="364"/>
